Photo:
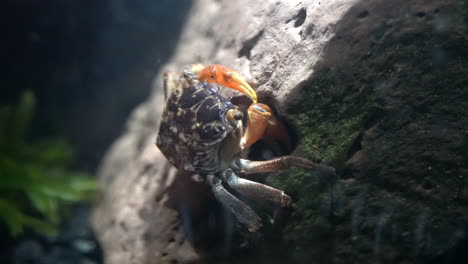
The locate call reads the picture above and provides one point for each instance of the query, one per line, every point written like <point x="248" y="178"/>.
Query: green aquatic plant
<point x="36" y="184"/>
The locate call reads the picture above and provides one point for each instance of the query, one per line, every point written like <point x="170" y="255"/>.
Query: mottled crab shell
<point x="193" y="128"/>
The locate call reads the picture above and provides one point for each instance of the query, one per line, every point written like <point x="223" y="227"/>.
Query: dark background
<point x="89" y="64"/>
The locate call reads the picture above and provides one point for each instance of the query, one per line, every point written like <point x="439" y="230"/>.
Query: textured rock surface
<point x="376" y="88"/>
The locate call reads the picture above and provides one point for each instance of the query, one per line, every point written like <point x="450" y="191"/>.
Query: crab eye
<point x="212" y="77"/>
<point x="234" y="115"/>
<point x="238" y="115"/>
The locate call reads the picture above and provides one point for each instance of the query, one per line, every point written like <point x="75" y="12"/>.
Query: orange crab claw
<point x="263" y="124"/>
<point x="276" y="130"/>
<point x="227" y="77"/>
<point x="258" y="119"/>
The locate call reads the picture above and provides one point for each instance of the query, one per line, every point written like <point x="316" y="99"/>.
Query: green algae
<point x="392" y="122"/>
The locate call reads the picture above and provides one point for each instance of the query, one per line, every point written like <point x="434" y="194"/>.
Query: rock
<point x="375" y="88"/>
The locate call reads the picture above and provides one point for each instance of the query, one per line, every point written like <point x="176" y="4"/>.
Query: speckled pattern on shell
<point x="193" y="127"/>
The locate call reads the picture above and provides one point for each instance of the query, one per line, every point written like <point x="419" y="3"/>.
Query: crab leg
<point x="255" y="190"/>
<point x="241" y="211"/>
<point x="277" y="164"/>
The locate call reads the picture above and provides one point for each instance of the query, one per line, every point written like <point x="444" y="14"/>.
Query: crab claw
<point x="227" y="77"/>
<point x="258" y="118"/>
<point x="277" y="131"/>
<point x="262" y="123"/>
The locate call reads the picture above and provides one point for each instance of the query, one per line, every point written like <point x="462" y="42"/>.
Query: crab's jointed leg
<point x="277" y="164"/>
<point x="255" y="190"/>
<point x="241" y="211"/>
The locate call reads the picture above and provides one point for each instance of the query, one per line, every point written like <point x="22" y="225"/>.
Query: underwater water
<point x="378" y="90"/>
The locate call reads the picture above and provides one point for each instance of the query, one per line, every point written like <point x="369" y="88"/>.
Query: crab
<point x="202" y="133"/>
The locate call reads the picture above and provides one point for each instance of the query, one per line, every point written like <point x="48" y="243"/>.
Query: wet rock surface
<point x="375" y="88"/>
